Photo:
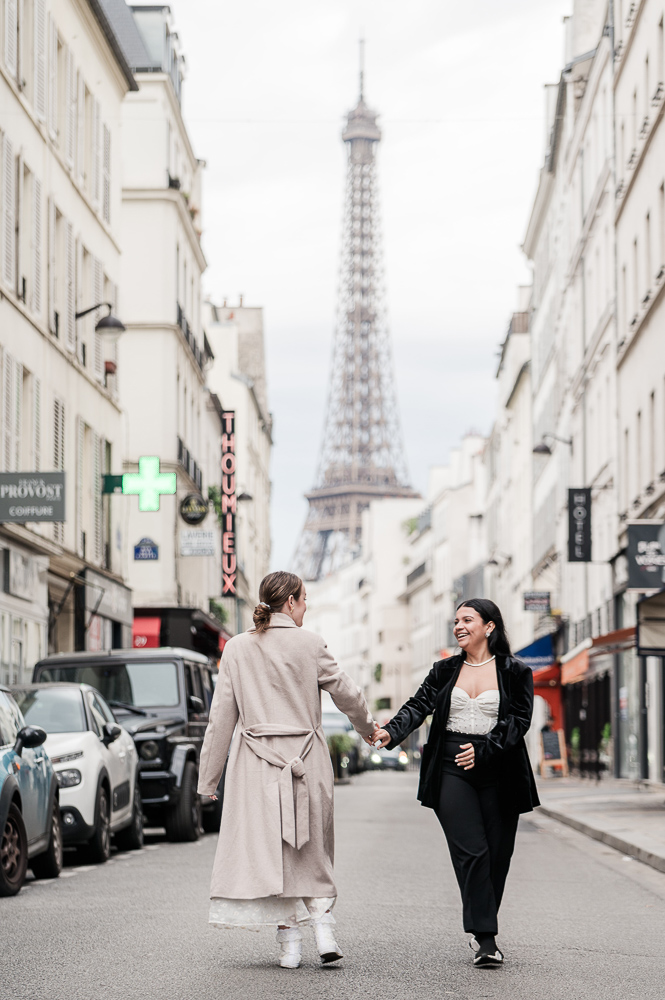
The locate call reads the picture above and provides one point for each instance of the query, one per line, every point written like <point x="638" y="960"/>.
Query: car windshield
<point x="57" y="710"/>
<point x="145" y="684"/>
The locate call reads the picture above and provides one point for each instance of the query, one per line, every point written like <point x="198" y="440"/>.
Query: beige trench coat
<point x="277" y="835"/>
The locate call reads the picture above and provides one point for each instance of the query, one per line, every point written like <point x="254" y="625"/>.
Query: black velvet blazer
<point x="504" y="744"/>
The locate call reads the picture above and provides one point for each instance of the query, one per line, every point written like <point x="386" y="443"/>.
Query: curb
<point x="656" y="861"/>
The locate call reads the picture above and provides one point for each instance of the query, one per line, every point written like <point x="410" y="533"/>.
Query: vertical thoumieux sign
<point x="579" y="525"/>
<point x="229" y="555"/>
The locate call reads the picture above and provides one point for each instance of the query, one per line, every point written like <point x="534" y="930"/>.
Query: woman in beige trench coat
<point x="274" y="859"/>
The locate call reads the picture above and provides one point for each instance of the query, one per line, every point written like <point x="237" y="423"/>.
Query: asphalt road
<point x="579" y="921"/>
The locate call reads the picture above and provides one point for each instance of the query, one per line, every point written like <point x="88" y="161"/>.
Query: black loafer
<point x="486" y="958"/>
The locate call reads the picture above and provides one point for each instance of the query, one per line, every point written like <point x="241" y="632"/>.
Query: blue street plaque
<point x="146" y="549"/>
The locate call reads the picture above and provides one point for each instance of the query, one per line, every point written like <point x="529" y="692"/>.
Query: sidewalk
<point x="625" y="815"/>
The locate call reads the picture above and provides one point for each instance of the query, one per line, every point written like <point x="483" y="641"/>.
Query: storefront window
<point x="629" y="714"/>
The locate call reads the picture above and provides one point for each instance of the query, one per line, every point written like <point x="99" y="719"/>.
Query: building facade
<point x="172" y="554"/>
<point x="63" y="77"/>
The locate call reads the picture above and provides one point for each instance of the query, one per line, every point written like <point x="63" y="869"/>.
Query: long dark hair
<point x="498" y="642"/>
<point x="274" y="592"/>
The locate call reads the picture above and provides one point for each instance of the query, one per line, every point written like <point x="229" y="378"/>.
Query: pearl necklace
<point x="480" y="664"/>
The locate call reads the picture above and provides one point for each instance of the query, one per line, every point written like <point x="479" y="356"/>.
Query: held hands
<point x="467" y="757"/>
<point x="379" y="736"/>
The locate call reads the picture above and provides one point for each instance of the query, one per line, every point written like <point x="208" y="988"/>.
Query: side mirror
<point x="111" y="733"/>
<point x="30" y="737"/>
<point x="195" y="704"/>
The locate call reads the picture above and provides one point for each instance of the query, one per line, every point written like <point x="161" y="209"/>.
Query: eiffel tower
<point x="362" y="456"/>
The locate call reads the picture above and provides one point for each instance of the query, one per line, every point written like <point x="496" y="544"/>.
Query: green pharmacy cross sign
<point x="149" y="483"/>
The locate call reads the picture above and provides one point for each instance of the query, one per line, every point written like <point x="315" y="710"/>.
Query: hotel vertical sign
<point x="579" y="525"/>
<point x="229" y="555"/>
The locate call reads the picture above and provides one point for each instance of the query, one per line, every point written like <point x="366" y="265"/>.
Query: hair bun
<point x="261" y="616"/>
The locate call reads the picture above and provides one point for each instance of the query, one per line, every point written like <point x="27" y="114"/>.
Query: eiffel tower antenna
<point x="361" y="45"/>
<point x="362" y="456"/>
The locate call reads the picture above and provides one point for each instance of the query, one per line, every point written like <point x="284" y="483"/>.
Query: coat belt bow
<point x="293" y="795"/>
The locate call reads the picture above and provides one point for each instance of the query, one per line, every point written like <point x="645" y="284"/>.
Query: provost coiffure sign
<point x="228" y="512"/>
<point x="646" y="555"/>
<point x="32" y="496"/>
<point x="579" y="525"/>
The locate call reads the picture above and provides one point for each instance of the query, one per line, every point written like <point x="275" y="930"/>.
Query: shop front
<point x="188" y="628"/>
<point x="539" y="655"/>
<point x="650" y="642"/>
<point x="603" y="705"/>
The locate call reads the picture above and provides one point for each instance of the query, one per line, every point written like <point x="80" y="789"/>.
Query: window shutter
<point x="39" y="14"/>
<point x="70" y="322"/>
<point x="7" y="411"/>
<point x="80" y="150"/>
<point x="9" y="214"/>
<point x="37" y="246"/>
<point x="96" y="153"/>
<point x="11" y="29"/>
<point x="18" y="413"/>
<point x="70" y="124"/>
<point x="80" y="440"/>
<point x="58" y="453"/>
<point x="58" y="434"/>
<point x="53" y="78"/>
<point x="97" y="458"/>
<point x="79" y="292"/>
<point x="98" y="295"/>
<point x="36" y="424"/>
<point x="106" y="183"/>
<point x="52" y="304"/>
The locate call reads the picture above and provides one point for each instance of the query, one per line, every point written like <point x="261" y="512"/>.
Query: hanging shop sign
<point x="32" y="496"/>
<point x="197" y="543"/>
<point x="646" y="555"/>
<point x="537" y="600"/>
<point x="579" y="525"/>
<point x="146" y="550"/>
<point x="193" y="508"/>
<point x="229" y="501"/>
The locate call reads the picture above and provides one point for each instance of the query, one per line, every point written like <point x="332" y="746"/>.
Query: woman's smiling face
<point x="469" y="628"/>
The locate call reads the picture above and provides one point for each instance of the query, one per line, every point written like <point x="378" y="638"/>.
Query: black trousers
<point x="480" y="835"/>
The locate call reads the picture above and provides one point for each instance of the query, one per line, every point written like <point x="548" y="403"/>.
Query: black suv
<point x="162" y="697"/>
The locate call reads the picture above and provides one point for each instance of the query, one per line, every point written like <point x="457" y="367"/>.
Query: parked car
<point x="383" y="760"/>
<point x="30" y="832"/>
<point x="96" y="765"/>
<point x="162" y="697"/>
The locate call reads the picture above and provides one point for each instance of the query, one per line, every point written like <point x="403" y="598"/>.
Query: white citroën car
<point x="95" y="762"/>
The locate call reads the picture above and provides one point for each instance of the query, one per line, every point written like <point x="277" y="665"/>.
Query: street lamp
<point x="108" y="323"/>
<point x="542" y="448"/>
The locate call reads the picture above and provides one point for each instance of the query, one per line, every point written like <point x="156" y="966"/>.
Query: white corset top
<point x="473" y="715"/>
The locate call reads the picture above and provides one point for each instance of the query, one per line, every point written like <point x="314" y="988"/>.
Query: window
<point x="142" y="683"/>
<point x="56" y="709"/>
<point x="12" y="412"/>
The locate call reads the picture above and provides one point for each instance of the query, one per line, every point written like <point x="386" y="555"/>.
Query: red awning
<point x="146" y="633"/>
<point x="547" y="676"/>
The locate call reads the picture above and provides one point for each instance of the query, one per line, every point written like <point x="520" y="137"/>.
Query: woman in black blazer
<point x="475" y="771"/>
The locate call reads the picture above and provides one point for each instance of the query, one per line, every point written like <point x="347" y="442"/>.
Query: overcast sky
<point x="459" y="90"/>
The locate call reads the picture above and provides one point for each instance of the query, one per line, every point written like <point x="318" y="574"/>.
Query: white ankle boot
<point x="289" y="940"/>
<point x="325" y="939"/>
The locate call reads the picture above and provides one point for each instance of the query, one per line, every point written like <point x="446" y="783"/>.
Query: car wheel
<point x="183" y="821"/>
<point x="49" y="863"/>
<point x="13" y="853"/>
<point x="99" y="845"/>
<point x="131" y="838"/>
